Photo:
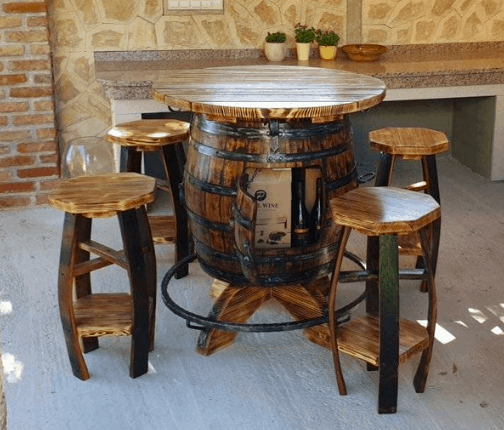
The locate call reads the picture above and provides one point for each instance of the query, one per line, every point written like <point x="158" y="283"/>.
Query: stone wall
<point x="28" y="151"/>
<point x="80" y="27"/>
<point x="401" y="22"/>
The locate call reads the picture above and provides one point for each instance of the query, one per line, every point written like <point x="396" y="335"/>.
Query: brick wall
<point x="29" y="164"/>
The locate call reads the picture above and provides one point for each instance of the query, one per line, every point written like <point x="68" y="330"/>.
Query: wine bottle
<point x="316" y="213"/>
<point x="300" y="217"/>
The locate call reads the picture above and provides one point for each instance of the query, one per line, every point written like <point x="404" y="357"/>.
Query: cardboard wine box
<point x="272" y="191"/>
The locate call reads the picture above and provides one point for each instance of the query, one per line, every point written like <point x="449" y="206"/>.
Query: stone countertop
<point x="130" y="75"/>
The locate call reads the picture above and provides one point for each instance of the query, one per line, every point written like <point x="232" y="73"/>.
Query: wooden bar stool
<point x="85" y="315"/>
<point x="410" y="144"/>
<point x="165" y="137"/>
<point x="381" y="338"/>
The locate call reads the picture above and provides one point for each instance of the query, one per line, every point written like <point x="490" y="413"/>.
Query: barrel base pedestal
<point x="305" y="301"/>
<point x="236" y="304"/>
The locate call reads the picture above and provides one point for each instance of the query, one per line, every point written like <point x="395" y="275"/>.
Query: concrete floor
<point x="263" y="381"/>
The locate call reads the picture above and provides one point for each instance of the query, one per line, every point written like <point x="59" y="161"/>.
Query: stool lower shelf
<point x="163" y="229"/>
<point x="409" y="244"/>
<point x="104" y="315"/>
<point x="360" y="338"/>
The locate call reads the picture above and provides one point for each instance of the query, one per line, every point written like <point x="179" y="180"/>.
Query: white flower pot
<point x="274" y="51"/>
<point x="303" y="51"/>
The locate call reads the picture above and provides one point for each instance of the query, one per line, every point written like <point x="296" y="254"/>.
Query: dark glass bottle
<point x="300" y="217"/>
<point x="316" y="213"/>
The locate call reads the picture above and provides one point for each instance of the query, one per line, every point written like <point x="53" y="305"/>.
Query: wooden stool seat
<point x="409" y="142"/>
<point x="149" y="134"/>
<point x="375" y="211"/>
<point x="86" y="316"/>
<point x="381" y="338"/>
<point x="164" y="137"/>
<point x="101" y="196"/>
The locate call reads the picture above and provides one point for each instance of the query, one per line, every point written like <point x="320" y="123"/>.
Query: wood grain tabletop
<point x="269" y="92"/>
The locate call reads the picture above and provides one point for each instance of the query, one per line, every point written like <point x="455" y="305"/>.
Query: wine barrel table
<point x="265" y="117"/>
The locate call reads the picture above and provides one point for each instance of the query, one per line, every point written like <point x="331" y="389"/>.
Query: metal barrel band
<point x="202" y="321"/>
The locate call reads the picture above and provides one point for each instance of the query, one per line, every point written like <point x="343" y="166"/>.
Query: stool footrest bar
<point x="109" y="254"/>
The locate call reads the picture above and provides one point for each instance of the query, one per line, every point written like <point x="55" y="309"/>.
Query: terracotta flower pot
<point x="328" y="52"/>
<point x="274" y="51"/>
<point x="303" y="51"/>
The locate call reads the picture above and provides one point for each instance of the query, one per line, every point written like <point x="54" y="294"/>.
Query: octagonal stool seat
<point x="381" y="338"/>
<point x="85" y="315"/>
<point x="410" y="143"/>
<point x="165" y="138"/>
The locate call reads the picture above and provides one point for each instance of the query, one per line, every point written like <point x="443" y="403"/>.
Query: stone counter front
<point x="130" y="75"/>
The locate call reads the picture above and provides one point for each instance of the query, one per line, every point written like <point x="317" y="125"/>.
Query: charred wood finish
<point x="164" y="137"/>
<point x="237" y="304"/>
<point x="412" y="144"/>
<point x="269" y="92"/>
<point x="219" y="155"/>
<point x="244" y="221"/>
<point x="255" y="118"/>
<point x="389" y="325"/>
<point x="149" y="134"/>
<point x="198" y="322"/>
<point x="295" y="290"/>
<point x="385" y="340"/>
<point x="85" y="315"/>
<point x="264" y="117"/>
<point x="102" y="196"/>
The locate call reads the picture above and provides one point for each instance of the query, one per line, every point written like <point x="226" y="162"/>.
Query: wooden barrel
<point x="219" y="155"/>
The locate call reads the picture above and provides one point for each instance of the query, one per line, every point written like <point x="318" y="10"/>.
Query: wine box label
<point x="272" y="190"/>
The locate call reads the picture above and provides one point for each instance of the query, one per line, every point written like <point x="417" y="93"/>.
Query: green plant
<point x="304" y="34"/>
<point x="275" y="37"/>
<point x="327" y="38"/>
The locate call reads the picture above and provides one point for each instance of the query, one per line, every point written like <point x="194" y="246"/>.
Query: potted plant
<point x="328" y="43"/>
<point x="274" y="47"/>
<point x="304" y="36"/>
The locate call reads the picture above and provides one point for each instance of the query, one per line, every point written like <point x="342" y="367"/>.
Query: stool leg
<point x="151" y="271"/>
<point x="71" y="230"/>
<point x="423" y="367"/>
<point x="383" y="179"/>
<point x="173" y="157"/>
<point x="83" y="282"/>
<point x="389" y="325"/>
<point x="429" y="168"/>
<point x="131" y="160"/>
<point x="384" y="170"/>
<point x="333" y="330"/>
<point x="141" y="286"/>
<point x="372" y="291"/>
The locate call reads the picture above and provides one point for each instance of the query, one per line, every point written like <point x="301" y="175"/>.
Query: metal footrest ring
<point x="202" y="321"/>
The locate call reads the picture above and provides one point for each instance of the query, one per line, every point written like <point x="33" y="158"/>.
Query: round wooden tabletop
<point x="269" y="92"/>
